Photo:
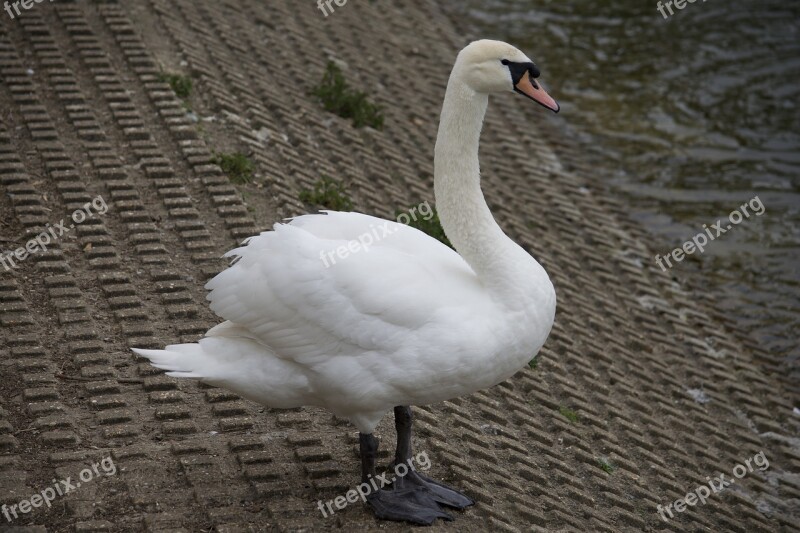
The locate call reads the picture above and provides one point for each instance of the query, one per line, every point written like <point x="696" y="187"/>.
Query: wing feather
<point x="288" y="298"/>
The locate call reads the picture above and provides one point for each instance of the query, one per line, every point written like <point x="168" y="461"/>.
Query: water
<point x="691" y="117"/>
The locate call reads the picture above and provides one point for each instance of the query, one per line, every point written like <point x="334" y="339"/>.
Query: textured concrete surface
<point x="84" y="114"/>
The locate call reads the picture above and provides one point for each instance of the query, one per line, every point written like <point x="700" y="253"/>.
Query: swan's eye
<point x="505" y="61"/>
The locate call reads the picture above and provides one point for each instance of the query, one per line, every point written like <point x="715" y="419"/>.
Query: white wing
<point x="371" y="300"/>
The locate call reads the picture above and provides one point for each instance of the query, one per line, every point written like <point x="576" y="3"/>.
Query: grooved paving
<point x="85" y="113"/>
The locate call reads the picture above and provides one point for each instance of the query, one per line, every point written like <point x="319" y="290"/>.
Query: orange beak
<point x="530" y="88"/>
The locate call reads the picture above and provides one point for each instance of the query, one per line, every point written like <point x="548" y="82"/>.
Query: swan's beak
<point x="530" y="88"/>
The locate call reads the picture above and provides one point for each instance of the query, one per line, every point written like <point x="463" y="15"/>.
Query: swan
<point x="408" y="321"/>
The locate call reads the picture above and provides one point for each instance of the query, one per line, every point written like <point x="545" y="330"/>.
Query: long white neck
<point x="500" y="264"/>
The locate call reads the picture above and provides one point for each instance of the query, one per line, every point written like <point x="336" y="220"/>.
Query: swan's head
<point x="494" y="66"/>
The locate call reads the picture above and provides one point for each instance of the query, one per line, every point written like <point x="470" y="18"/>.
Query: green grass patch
<point x="432" y="226"/>
<point x="236" y="166"/>
<point x="328" y="193"/>
<point x="569" y="414"/>
<point x="606" y="465"/>
<point x="533" y="363"/>
<point x="182" y="85"/>
<point x="337" y="97"/>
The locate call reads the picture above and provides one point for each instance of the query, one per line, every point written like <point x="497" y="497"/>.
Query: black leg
<point x="369" y="450"/>
<point x="440" y="493"/>
<point x="402" y="424"/>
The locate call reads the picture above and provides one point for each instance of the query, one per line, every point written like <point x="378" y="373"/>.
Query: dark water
<point x="692" y="117"/>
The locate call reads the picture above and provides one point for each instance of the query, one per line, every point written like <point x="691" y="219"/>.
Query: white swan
<point x="407" y="322"/>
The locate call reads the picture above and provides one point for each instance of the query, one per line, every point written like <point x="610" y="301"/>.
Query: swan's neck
<point x="499" y="262"/>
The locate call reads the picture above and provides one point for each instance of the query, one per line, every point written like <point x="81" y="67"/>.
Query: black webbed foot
<point x="413" y="505"/>
<point x="439" y="492"/>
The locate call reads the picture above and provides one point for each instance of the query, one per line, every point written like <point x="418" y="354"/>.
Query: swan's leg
<point x="369" y="450"/>
<point x="410" y="505"/>
<point x="439" y="492"/>
<point x="403" y="419"/>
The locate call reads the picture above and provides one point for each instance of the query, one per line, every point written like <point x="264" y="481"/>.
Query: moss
<point x="432" y="226"/>
<point x="328" y="193"/>
<point x="236" y="166"/>
<point x="533" y="363"/>
<point x="569" y="414"/>
<point x="606" y="465"/>
<point x="338" y="98"/>
<point x="182" y="85"/>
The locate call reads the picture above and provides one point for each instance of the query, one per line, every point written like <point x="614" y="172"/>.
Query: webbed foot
<point x="415" y="505"/>
<point x="440" y="492"/>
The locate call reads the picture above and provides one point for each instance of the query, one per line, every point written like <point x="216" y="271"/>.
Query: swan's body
<point x="408" y="321"/>
<point x="405" y="322"/>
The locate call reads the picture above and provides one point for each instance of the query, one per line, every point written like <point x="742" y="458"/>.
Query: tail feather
<point x="239" y="364"/>
<point x="180" y="360"/>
